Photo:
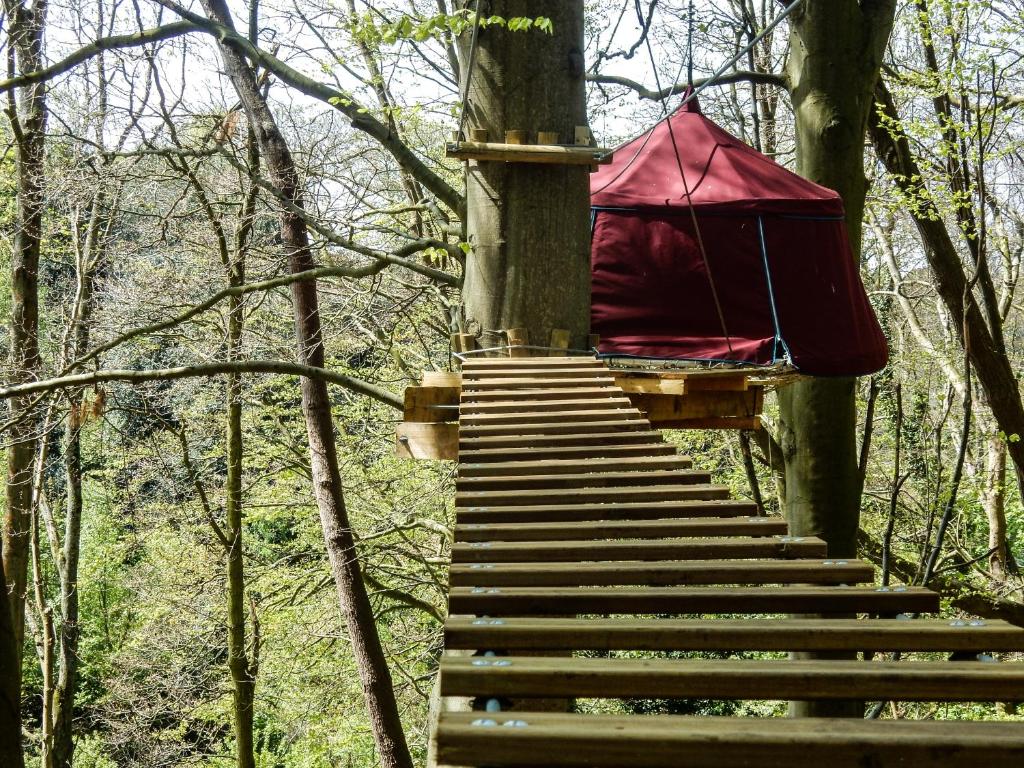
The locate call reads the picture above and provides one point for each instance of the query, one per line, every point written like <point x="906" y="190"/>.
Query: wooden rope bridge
<point x="580" y="531"/>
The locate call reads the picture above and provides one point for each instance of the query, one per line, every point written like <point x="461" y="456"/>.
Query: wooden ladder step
<point x="637" y="449"/>
<point x="573" y="466"/>
<point x="628" y="422"/>
<point x="786" y="635"/>
<point x="482" y="396"/>
<point x="517" y="407"/>
<point x="637" y="550"/>
<point x="524" y="385"/>
<point x="591" y="442"/>
<point x="547" y="740"/>
<point x="529" y="418"/>
<point x="539" y="373"/>
<point x="663" y="573"/>
<point x="608" y="495"/>
<point x="540" y="601"/>
<point x="487" y="363"/>
<point x="585" y="480"/>
<point x="802" y="680"/>
<point x="643" y="510"/>
<point x="617" y="529"/>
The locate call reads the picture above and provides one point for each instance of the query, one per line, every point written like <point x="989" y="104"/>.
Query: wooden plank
<point x="637" y="549"/>
<point x="660" y="574"/>
<point x="643" y="510"/>
<point x="574" y="466"/>
<point x="659" y="741"/>
<point x="540" y="373"/>
<point x="571" y="429"/>
<point x="417" y="440"/>
<point x="760" y="600"/>
<point x="713" y="422"/>
<point x="801" y="680"/>
<point x="618" y="529"/>
<point x="585" y="480"/>
<point x="610" y="495"/>
<point x="534" y="395"/>
<point x="518" y="339"/>
<point x="430" y="404"/>
<point x="588" y="440"/>
<point x="442" y="379"/>
<point x="560" y="339"/>
<point x="520" y="406"/>
<point x="640" y="449"/>
<point x="699" y="405"/>
<point x="784" y="635"/>
<point x="527" y="153"/>
<point x="632" y="383"/>
<point x="524" y="384"/>
<point x="537" y="362"/>
<point x="463" y="342"/>
<point x="609" y="413"/>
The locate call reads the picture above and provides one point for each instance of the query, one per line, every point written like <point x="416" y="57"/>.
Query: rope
<point x="689" y="44"/>
<point x="689" y="197"/>
<point x="464" y="96"/>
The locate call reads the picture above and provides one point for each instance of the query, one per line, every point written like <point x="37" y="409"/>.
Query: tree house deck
<point x="579" y="531"/>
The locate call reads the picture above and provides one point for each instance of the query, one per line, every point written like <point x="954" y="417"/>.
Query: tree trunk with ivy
<point x="835" y="58"/>
<point x="528" y="224"/>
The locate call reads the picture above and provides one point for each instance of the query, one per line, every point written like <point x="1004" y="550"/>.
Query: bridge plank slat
<point x="878" y="635"/>
<point x="658" y="741"/>
<point x="616" y="529"/>
<point x="636" y="550"/>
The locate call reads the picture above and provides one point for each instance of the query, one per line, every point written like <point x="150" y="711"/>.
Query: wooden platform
<point x="586" y="550"/>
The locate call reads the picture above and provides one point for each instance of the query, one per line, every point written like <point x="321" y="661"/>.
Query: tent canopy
<point x="775" y="278"/>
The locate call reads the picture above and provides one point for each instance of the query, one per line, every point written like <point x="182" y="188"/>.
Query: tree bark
<point x="528" y="224"/>
<point x="835" y="56"/>
<point x="29" y="121"/>
<point x="316" y="407"/>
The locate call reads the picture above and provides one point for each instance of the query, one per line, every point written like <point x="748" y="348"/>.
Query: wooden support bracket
<point x="549" y="154"/>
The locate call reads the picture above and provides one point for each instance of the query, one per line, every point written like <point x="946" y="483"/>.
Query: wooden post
<point x="515" y="137"/>
<point x="559" y="342"/>
<point x="593" y="341"/>
<point x="463" y="342"/>
<point x="547" y="137"/>
<point x="517" y="337"/>
<point x="478" y="135"/>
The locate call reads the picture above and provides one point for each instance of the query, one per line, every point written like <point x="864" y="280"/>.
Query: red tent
<point x="776" y="247"/>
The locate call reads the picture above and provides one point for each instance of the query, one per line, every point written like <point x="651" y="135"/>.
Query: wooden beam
<point x="527" y="153"/>
<point x="560" y="339"/>
<point x="666" y="741"/>
<point x="517" y="339"/>
<point x="661" y="574"/>
<point x="621" y="529"/>
<point x="700" y="404"/>
<point x="784" y="635"/>
<point x="429" y="404"/>
<point x="417" y="440"/>
<point x="633" y="510"/>
<point x="759" y="600"/>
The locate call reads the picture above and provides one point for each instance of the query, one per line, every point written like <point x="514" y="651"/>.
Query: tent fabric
<point x="776" y="247"/>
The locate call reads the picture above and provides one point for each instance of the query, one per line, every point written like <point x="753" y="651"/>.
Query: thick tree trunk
<point x="316" y="407"/>
<point x="836" y="52"/>
<point x="529" y="224"/>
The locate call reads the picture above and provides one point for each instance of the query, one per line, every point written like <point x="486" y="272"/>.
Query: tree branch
<point x="95" y="48"/>
<point x="359" y="116"/>
<point x="206" y="369"/>
<point x="739" y="76"/>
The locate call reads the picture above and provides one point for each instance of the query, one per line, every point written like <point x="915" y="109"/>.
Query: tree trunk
<point x="836" y="53"/>
<point x="10" y="693"/>
<point x="316" y="407"/>
<point x="994" y="502"/>
<point x="529" y="224"/>
<point x="26" y="37"/>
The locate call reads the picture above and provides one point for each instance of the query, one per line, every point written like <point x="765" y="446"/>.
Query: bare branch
<point x="740" y="76"/>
